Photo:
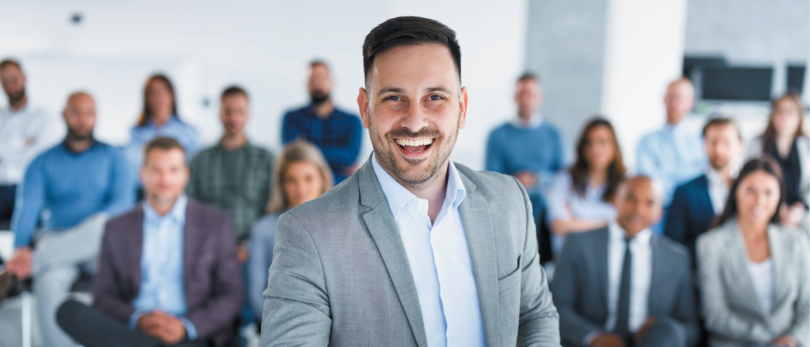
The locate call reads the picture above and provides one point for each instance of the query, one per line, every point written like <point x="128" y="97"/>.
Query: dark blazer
<point x="580" y="286"/>
<point x="212" y="275"/>
<point x="691" y="213"/>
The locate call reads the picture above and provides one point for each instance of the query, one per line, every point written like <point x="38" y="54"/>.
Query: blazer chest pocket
<point x="512" y="279"/>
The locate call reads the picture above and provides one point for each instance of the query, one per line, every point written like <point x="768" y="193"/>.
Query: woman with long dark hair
<point x="159" y="118"/>
<point x="753" y="271"/>
<point x="785" y="140"/>
<point x="580" y="199"/>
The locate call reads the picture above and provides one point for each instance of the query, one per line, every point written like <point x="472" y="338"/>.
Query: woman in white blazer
<point x="753" y="272"/>
<point x="784" y="140"/>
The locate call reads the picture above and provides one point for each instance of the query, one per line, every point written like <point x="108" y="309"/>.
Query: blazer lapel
<point x="135" y="248"/>
<point x="191" y="242"/>
<point x="780" y="290"/>
<point x="703" y="196"/>
<point x="383" y="229"/>
<point x="475" y="218"/>
<point x="659" y="268"/>
<point x="738" y="263"/>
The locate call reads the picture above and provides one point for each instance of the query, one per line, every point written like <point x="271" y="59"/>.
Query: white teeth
<point x="414" y="142"/>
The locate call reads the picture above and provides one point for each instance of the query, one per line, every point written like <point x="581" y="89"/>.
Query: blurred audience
<point x="528" y="147"/>
<point x="673" y="155"/>
<point x="158" y="118"/>
<point x="621" y="285"/>
<point x="581" y="198"/>
<point x="25" y="131"/>
<point x="233" y="175"/>
<point x="337" y="133"/>
<point x="168" y="273"/>
<point x="696" y="203"/>
<point x="753" y="272"/>
<point x="76" y="186"/>
<point x="784" y="139"/>
<point x="300" y="175"/>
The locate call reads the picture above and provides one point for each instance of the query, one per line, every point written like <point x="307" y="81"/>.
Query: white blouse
<point x="762" y="278"/>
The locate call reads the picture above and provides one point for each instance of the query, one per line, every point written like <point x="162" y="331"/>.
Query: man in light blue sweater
<point x="528" y="147"/>
<point x="74" y="188"/>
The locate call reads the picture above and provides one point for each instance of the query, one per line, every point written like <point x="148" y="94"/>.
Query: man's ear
<point x="362" y="104"/>
<point x="462" y="103"/>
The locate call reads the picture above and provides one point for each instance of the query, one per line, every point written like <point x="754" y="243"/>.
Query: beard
<point x="318" y="97"/>
<point x="76" y="135"/>
<point x="409" y="174"/>
<point x="17" y="97"/>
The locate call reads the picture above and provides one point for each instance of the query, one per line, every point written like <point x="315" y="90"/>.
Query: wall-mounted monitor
<point x="737" y="83"/>
<point x="795" y="78"/>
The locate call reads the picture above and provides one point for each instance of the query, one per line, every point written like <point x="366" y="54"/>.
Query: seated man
<point x="168" y="274"/>
<point x="75" y="186"/>
<point x="623" y="286"/>
<point x="698" y="202"/>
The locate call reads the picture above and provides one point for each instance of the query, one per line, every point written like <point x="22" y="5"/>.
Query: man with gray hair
<point x="411" y="250"/>
<point x="621" y="285"/>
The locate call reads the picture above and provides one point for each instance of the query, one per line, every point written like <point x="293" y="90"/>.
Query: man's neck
<point x="233" y="141"/>
<point x="725" y="173"/>
<point x="18" y="104"/>
<point x="78" y="146"/>
<point x="162" y="207"/>
<point x="324" y="109"/>
<point x="434" y="190"/>
<point x="674" y="120"/>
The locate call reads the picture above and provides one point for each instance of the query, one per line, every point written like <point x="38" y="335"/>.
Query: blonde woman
<point x="300" y="175"/>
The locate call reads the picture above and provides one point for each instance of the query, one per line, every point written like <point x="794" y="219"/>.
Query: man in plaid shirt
<point x="338" y="134"/>
<point x="234" y="175"/>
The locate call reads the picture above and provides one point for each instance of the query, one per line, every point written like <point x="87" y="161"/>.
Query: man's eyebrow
<point x="390" y="90"/>
<point x="438" y="89"/>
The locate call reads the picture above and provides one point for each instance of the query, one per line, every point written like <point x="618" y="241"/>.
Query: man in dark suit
<point x="624" y="286"/>
<point x="696" y="203"/>
<point x="168" y="273"/>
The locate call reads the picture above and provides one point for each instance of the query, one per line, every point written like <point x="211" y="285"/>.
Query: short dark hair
<point x="406" y="31"/>
<point x="10" y="62"/>
<point x="721" y="121"/>
<point x="232" y="91"/>
<point x="528" y="76"/>
<point x="317" y="62"/>
<point x="161" y="143"/>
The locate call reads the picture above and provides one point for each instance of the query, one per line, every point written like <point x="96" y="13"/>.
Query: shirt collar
<point x="177" y="213"/>
<point x="617" y="233"/>
<point x="398" y="196"/>
<point x="535" y="121"/>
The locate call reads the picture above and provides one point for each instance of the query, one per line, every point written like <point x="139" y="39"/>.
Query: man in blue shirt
<point x="528" y="147"/>
<point x="675" y="154"/>
<point x="74" y="186"/>
<point x="168" y="274"/>
<point x="337" y="133"/>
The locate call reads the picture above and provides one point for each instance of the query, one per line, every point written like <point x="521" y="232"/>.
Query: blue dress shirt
<point x="673" y="155"/>
<point x="439" y="260"/>
<point x="174" y="128"/>
<point x="565" y="203"/>
<point x="162" y="285"/>
<point x="64" y="188"/>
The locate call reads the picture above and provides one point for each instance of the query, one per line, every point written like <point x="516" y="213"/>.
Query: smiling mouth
<point x="414" y="145"/>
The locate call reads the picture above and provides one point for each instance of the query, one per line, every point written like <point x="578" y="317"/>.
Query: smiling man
<point x="412" y="250"/>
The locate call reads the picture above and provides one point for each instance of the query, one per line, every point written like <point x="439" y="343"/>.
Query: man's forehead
<point x="426" y="66"/>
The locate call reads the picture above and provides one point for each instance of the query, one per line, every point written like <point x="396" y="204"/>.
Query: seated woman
<point x="753" y="272"/>
<point x="784" y="140"/>
<point x="580" y="199"/>
<point x="300" y="174"/>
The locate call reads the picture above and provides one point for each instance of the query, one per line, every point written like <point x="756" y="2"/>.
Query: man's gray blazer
<point x="580" y="286"/>
<point x="340" y="275"/>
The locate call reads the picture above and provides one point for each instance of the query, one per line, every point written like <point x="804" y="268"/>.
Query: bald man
<point x="674" y="154"/>
<point x="621" y="285"/>
<point x="80" y="183"/>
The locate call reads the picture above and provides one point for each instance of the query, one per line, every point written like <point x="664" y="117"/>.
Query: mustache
<point x="405" y="133"/>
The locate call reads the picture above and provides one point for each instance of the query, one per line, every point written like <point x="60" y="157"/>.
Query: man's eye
<point x="436" y="97"/>
<point x="393" y="98"/>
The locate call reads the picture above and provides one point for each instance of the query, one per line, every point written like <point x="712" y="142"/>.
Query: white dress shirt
<point x="640" y="280"/>
<point x="24" y="133"/>
<point x="718" y="190"/>
<point x="439" y="260"/>
<point x="762" y="277"/>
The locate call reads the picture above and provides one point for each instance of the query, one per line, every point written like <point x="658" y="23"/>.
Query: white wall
<point x="262" y="45"/>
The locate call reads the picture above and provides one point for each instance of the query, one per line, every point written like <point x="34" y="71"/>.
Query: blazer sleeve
<point x="564" y="288"/>
<point x="539" y="322"/>
<point x="720" y="320"/>
<point x="108" y="293"/>
<point x="686" y="309"/>
<point x="227" y="294"/>
<point x="296" y="305"/>
<point x="800" y="329"/>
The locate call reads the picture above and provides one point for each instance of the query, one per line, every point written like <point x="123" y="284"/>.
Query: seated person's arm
<point x="539" y="320"/>
<point x="107" y="283"/>
<point x="686" y="307"/>
<point x="296" y="302"/>
<point x="800" y="329"/>
<point x="561" y="220"/>
<point x="122" y="196"/>
<point x="30" y="200"/>
<point x="226" y="297"/>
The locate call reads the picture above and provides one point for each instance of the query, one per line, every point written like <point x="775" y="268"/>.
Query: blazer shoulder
<point x="343" y="198"/>
<point x="124" y="222"/>
<point x="210" y="212"/>
<point x="672" y="248"/>
<point x="584" y="239"/>
<point x="488" y="181"/>
<point x="716" y="237"/>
